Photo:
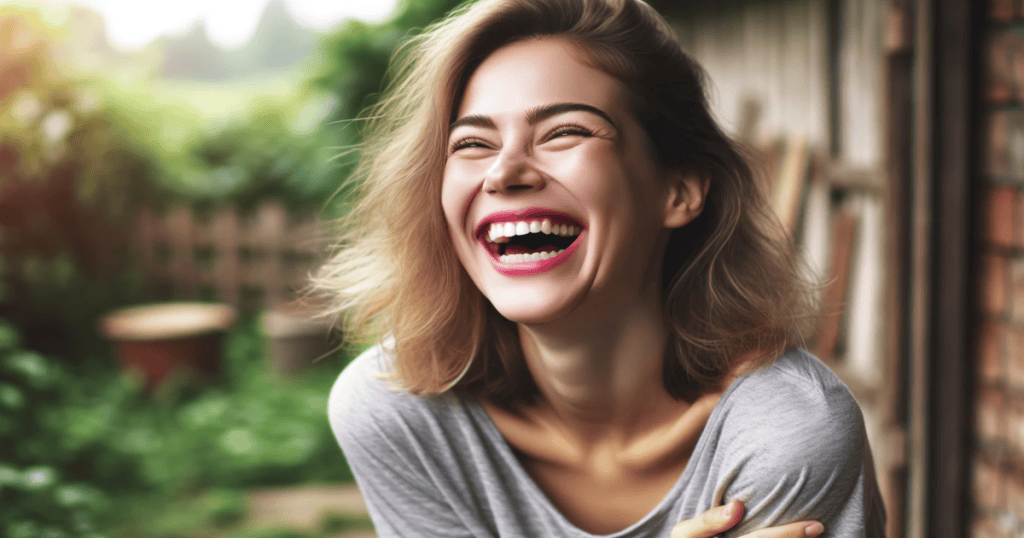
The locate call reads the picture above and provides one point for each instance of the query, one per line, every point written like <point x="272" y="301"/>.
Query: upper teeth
<point x="504" y="230"/>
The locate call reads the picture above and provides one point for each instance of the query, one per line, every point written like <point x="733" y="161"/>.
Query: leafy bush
<point x="70" y="179"/>
<point x="38" y="496"/>
<point x="72" y="446"/>
<point x="356" y="55"/>
<point x="257" y="157"/>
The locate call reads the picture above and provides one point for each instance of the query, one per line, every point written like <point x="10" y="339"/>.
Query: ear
<point x="685" y="196"/>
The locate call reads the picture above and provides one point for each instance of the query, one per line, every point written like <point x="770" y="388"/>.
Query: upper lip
<point x="514" y="215"/>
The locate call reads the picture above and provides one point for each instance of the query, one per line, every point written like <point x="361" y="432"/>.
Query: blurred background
<point x="169" y="172"/>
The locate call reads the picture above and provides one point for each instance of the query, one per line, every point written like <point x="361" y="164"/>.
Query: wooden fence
<point x="256" y="260"/>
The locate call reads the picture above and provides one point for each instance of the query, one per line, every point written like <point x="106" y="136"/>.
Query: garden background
<point x="93" y="139"/>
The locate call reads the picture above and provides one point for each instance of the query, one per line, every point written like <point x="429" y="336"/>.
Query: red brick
<point x="984" y="528"/>
<point x="1015" y="498"/>
<point x="1015" y="294"/>
<point x="1001" y="10"/>
<point x="1015" y="145"/>
<point x="1014" y="353"/>
<point x="998" y="141"/>
<point x="993" y="283"/>
<point x="991" y="416"/>
<point x="989" y="486"/>
<point x="991" y="369"/>
<point x="998" y="209"/>
<point x="999" y="68"/>
<point x="1016" y="50"/>
<point x="1015" y="425"/>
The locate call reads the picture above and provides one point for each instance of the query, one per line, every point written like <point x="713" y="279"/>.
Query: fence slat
<point x="225" y="229"/>
<point x="179" y="228"/>
<point x="269" y="254"/>
<point x="146" y="225"/>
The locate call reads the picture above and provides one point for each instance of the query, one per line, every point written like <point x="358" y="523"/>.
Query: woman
<point x="590" y="317"/>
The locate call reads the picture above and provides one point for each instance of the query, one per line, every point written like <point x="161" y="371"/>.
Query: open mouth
<point x="529" y="240"/>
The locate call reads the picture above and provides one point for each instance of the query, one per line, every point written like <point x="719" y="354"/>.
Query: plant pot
<point x="294" y="339"/>
<point x="159" y="339"/>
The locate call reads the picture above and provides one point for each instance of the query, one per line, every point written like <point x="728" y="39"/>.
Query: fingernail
<point x="814" y="529"/>
<point x="729" y="510"/>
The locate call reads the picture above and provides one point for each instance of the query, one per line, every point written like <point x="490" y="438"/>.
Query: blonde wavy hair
<point x="732" y="286"/>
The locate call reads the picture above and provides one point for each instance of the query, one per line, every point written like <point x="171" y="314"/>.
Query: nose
<point x="513" y="171"/>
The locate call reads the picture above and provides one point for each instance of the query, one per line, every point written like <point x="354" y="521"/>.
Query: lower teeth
<point x="522" y="258"/>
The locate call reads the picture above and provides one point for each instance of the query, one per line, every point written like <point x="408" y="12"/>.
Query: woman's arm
<point x="793" y="447"/>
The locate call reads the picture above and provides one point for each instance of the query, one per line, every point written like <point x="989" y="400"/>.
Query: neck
<point x="600" y="378"/>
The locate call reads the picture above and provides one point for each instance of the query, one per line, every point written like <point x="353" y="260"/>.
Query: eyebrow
<point x="533" y="116"/>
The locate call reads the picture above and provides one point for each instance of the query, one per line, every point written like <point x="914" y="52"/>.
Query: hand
<point x="727" y="516"/>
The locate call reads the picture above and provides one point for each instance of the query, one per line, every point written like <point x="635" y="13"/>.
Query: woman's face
<point x="550" y="192"/>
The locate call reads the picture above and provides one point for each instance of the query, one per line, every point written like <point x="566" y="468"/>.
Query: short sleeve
<point x="796" y="449"/>
<point x="385" y="436"/>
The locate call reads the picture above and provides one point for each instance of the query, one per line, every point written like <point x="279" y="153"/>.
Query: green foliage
<point x="357" y="55"/>
<point x="355" y="62"/>
<point x="39" y="489"/>
<point x="70" y="179"/>
<point x="260" y="158"/>
<point x="63" y="154"/>
<point x="265" y="142"/>
<point x="80" y="441"/>
<point x="72" y="445"/>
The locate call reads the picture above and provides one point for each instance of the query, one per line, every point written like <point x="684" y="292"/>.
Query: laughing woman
<point x="586" y="318"/>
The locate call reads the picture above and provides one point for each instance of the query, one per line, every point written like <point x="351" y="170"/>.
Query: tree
<point x="358" y="54"/>
<point x="70" y="176"/>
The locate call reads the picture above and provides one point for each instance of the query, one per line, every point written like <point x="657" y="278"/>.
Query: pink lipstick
<point x="529" y="241"/>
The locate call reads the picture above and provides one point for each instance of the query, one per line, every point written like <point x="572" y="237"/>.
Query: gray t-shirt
<point x="788" y="440"/>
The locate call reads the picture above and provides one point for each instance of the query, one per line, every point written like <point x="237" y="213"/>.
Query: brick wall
<point x="998" y="461"/>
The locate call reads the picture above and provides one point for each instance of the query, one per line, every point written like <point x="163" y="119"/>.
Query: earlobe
<point x="685" y="198"/>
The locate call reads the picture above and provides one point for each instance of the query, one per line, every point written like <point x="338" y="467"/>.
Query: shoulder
<point x="367" y="410"/>
<point x="792" y="445"/>
<point x="400" y="449"/>
<point x="796" y="405"/>
<point x="361" y="382"/>
<point x="360" y="388"/>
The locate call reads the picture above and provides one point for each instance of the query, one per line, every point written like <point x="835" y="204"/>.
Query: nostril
<point x="519" y="187"/>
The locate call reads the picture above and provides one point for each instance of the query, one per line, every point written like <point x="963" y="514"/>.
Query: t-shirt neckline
<point x="661" y="510"/>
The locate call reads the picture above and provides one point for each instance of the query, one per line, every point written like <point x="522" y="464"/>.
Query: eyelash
<point x="567" y="129"/>
<point x="570" y="129"/>
<point x="464" y="143"/>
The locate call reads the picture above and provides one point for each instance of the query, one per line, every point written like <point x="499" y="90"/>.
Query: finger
<point x="711" y="522"/>
<point x="800" y="529"/>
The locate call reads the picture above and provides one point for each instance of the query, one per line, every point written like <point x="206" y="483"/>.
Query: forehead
<point x="536" y="72"/>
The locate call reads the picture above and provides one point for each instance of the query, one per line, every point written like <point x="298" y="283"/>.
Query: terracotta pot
<point x="294" y="339"/>
<point x="159" y="339"/>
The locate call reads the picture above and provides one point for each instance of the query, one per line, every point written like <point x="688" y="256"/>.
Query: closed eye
<point x="569" y="130"/>
<point x="464" y="143"/>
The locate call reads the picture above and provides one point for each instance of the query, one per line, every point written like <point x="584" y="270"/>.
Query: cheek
<point x="598" y="178"/>
<point x="460" y="182"/>
<point x="452" y="202"/>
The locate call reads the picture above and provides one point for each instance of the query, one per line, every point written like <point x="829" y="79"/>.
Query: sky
<point x="131" y="24"/>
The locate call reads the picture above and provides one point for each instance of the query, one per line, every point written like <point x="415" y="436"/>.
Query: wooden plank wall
<point x="776" y="54"/>
<point x="861" y="83"/>
<point x="773" y="53"/>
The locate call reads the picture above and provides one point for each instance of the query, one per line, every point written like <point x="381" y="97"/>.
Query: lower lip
<point x="537" y="267"/>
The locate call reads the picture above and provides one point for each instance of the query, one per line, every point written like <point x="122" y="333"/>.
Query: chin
<point x="523" y="307"/>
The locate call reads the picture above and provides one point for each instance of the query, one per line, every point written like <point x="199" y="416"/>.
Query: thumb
<point x="711" y="522"/>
